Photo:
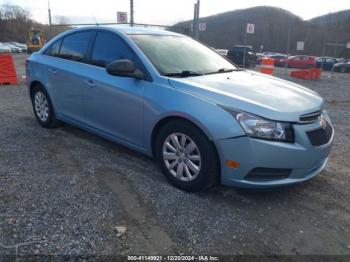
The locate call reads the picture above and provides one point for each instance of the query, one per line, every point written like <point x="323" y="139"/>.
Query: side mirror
<point x="124" y="68"/>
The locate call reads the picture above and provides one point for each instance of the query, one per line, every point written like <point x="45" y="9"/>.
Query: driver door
<point x="113" y="105"/>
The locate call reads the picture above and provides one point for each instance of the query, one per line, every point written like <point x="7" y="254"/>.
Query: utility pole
<point x="196" y="21"/>
<point x="288" y="47"/>
<point x="50" y="22"/>
<point x="324" y="48"/>
<point x="131" y="12"/>
<point x="244" y="48"/>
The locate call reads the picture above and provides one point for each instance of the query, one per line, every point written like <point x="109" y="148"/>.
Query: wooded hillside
<point x="271" y="30"/>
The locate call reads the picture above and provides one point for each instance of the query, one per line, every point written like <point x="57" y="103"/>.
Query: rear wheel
<point x="186" y="156"/>
<point x="42" y="107"/>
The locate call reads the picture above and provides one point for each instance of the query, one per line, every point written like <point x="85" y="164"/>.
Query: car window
<point x="74" y="46"/>
<point x="109" y="47"/>
<point x="174" y="55"/>
<point x="54" y="49"/>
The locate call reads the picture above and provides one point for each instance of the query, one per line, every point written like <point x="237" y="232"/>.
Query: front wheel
<point x="186" y="156"/>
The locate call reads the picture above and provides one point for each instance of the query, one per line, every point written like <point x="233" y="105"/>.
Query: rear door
<point x="114" y="105"/>
<point x="67" y="75"/>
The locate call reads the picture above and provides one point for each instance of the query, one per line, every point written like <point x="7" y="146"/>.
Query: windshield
<point x="181" y="56"/>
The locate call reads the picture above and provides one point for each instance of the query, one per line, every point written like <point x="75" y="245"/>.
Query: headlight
<point x="258" y="127"/>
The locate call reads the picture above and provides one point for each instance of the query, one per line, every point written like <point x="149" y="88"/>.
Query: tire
<point x="42" y="107"/>
<point x="207" y="165"/>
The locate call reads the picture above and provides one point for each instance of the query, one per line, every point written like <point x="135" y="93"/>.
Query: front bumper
<point x="301" y="159"/>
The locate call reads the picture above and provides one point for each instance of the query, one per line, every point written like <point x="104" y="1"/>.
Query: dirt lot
<point x="64" y="191"/>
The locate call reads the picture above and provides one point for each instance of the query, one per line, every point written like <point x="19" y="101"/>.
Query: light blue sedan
<point x="172" y="98"/>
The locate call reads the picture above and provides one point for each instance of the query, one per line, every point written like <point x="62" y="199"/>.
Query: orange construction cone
<point x="267" y="66"/>
<point x="8" y="73"/>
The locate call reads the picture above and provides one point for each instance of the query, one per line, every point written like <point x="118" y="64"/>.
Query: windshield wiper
<point x="223" y="70"/>
<point x="185" y="73"/>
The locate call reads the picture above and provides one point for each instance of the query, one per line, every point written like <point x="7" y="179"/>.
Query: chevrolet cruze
<point x="201" y="117"/>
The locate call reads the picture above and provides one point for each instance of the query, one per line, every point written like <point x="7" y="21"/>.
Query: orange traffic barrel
<point x="316" y="73"/>
<point x="8" y="73"/>
<point x="267" y="66"/>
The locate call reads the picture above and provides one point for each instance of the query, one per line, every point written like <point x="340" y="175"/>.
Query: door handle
<point x="90" y="83"/>
<point x="53" y="70"/>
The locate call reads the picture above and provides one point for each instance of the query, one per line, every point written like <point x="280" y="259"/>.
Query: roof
<point x="141" y="30"/>
<point x="130" y="30"/>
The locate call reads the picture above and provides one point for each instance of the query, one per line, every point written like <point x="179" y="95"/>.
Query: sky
<point x="165" y="12"/>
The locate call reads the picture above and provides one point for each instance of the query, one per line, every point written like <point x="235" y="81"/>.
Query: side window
<point x="109" y="47"/>
<point x="54" y="49"/>
<point x="74" y="47"/>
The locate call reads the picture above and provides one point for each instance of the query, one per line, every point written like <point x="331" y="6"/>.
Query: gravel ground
<point x="64" y="192"/>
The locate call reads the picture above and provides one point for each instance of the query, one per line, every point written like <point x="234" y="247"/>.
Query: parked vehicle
<point x="279" y="59"/>
<point x="14" y="49"/>
<point x="268" y="53"/>
<point x="342" y="60"/>
<point x="22" y="47"/>
<point x="301" y="61"/>
<point x="222" y="51"/>
<point x="170" y="97"/>
<point x="259" y="57"/>
<point x="326" y="62"/>
<point x="4" y="48"/>
<point x="236" y="55"/>
<point x="342" y="67"/>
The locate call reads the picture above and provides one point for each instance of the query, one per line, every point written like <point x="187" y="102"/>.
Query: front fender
<point x="163" y="101"/>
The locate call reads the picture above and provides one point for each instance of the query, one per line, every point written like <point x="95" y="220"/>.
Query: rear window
<point x="75" y="46"/>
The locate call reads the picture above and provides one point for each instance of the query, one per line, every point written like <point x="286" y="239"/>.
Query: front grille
<point x="311" y="117"/>
<point x="320" y="136"/>
<point x="261" y="174"/>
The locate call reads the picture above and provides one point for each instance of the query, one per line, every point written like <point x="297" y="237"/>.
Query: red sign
<point x="250" y="28"/>
<point x="122" y="17"/>
<point x="202" y="26"/>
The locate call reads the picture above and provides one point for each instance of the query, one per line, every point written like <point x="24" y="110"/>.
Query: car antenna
<point x="95" y="20"/>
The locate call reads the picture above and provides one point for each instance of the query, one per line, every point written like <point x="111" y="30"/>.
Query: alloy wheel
<point x="41" y="106"/>
<point x="182" y="157"/>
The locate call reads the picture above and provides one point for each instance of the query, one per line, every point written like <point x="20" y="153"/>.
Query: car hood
<point x="252" y="92"/>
